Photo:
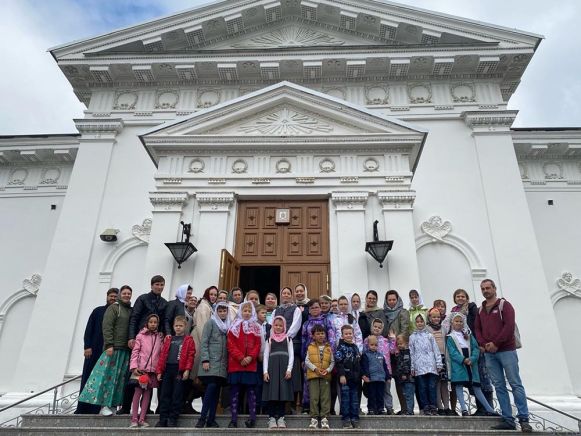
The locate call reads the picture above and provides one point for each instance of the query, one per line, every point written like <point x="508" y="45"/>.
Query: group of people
<point x="301" y="352"/>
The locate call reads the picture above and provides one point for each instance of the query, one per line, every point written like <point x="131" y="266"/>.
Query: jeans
<point x="350" y="401"/>
<point x="387" y="398"/>
<point x="172" y="390"/>
<point x="409" y="390"/>
<point x="505" y="364"/>
<point x="375" y="391"/>
<point x="210" y="402"/>
<point x="427" y="390"/>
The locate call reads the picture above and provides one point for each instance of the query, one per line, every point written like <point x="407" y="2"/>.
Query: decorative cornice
<point x="350" y="201"/>
<point x="99" y="129"/>
<point x="489" y="120"/>
<point x="400" y="199"/>
<point x="168" y="201"/>
<point x="215" y="201"/>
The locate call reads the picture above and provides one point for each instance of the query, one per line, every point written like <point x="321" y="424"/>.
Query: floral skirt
<point x="107" y="380"/>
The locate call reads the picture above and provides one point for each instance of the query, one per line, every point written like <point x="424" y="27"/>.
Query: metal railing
<point x="58" y="406"/>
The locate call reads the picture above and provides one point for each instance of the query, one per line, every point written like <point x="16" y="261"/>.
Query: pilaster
<point x="65" y="273"/>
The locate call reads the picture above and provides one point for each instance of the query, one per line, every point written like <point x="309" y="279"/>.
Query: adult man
<point x="93" y="340"/>
<point x="494" y="327"/>
<point x="145" y="305"/>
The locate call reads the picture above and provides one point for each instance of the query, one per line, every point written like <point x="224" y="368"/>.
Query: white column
<point x="398" y="224"/>
<point x="521" y="278"/>
<point x="51" y="328"/>
<point x="167" y="214"/>
<point x="350" y="273"/>
<point x="211" y="236"/>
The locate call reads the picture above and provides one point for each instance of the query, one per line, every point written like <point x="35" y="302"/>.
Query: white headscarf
<point x="250" y="326"/>
<point x="223" y="325"/>
<point x="182" y="291"/>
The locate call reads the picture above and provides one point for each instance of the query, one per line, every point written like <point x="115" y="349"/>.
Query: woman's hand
<point x="206" y="366"/>
<point x="186" y="374"/>
<point x="287" y="375"/>
<point x="266" y="378"/>
<point x="109" y="351"/>
<point x="343" y="380"/>
<point x="158" y="377"/>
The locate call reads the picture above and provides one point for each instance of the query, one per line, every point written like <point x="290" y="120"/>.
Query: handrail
<point x="40" y="393"/>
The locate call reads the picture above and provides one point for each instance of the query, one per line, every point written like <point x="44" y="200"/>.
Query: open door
<point x="316" y="277"/>
<point x="229" y="271"/>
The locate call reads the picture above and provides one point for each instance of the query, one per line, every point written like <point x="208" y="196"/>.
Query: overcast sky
<point x="36" y="98"/>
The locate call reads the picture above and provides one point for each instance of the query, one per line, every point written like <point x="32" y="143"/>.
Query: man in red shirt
<point x="495" y="327"/>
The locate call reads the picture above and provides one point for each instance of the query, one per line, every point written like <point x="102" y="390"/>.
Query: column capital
<point x="397" y="199"/>
<point x="350" y="200"/>
<point x="99" y="129"/>
<point x="215" y="201"/>
<point x="489" y="121"/>
<point x="168" y="201"/>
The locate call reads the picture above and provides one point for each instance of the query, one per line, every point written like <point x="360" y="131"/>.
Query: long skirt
<point x="107" y="380"/>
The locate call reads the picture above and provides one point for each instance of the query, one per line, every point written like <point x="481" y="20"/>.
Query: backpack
<point x="517" y="339"/>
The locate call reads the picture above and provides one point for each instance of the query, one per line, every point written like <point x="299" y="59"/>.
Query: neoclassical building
<point x="281" y="131"/>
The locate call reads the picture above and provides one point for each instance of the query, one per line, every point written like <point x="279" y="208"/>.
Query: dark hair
<point x="151" y="315"/>
<point x="157" y="279"/>
<point x="346" y="327"/>
<point x="260" y="307"/>
<point x="343" y="297"/>
<point x="311" y="303"/>
<point x="112" y="291"/>
<point x="206" y="295"/>
<point x="414" y="291"/>
<point x="318" y="328"/>
<point x="372" y="292"/>
<point x="440" y="302"/>
<point x="460" y="291"/>
<point x="491" y="282"/>
<point x="234" y="289"/>
<point x="125" y="287"/>
<point x="392" y="292"/>
<point x="377" y="320"/>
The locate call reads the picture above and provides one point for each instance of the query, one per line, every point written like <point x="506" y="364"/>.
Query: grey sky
<point x="36" y="98"/>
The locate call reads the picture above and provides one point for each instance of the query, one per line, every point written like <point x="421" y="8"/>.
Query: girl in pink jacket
<point x="144" y="359"/>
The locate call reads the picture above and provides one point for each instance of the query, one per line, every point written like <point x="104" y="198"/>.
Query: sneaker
<point x="201" y="423"/>
<point x="172" y="423"/>
<point x="525" y="427"/>
<point x="448" y="412"/>
<point x="314" y="423"/>
<point x="232" y="424"/>
<point x="370" y="412"/>
<point x="212" y="424"/>
<point x="504" y="426"/>
<point x="281" y="423"/>
<point x="133" y="425"/>
<point x="347" y="424"/>
<point x="271" y="423"/>
<point x="389" y="412"/>
<point x="306" y="410"/>
<point x="355" y="424"/>
<point x="325" y="424"/>
<point x="106" y="411"/>
<point x="161" y="423"/>
<point x="465" y="413"/>
<point x="249" y="423"/>
<point x="143" y="424"/>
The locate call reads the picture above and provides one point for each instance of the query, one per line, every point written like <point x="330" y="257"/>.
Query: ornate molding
<point x="287" y="121"/>
<point x="143" y="231"/>
<point x="420" y="93"/>
<point x="350" y="201"/>
<point x="291" y="36"/>
<point x="400" y="199"/>
<point x="215" y="201"/>
<point x="463" y="92"/>
<point x="168" y="201"/>
<point x="32" y="285"/>
<point x="30" y="288"/>
<point x="489" y="120"/>
<point x="99" y="129"/>
<point x="567" y="286"/>
<point x="436" y="228"/>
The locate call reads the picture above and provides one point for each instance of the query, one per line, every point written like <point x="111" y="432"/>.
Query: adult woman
<point x="106" y="383"/>
<point x="397" y="317"/>
<point x="270" y="301"/>
<point x="176" y="307"/>
<point x="253" y="296"/>
<point x="222" y="296"/>
<point x="301" y="299"/>
<point x="372" y="311"/>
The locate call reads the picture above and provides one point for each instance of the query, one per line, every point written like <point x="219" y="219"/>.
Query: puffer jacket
<point x="144" y="306"/>
<point x="116" y="326"/>
<point x="145" y="353"/>
<point x="213" y="350"/>
<point x="348" y="361"/>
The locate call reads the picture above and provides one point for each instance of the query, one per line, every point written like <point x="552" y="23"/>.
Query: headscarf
<point x="278" y="337"/>
<point x="206" y="295"/>
<point x="354" y="312"/>
<point x="306" y="299"/>
<point x="421" y="303"/>
<point x="182" y="291"/>
<point x="374" y="308"/>
<point x="250" y="326"/>
<point x="392" y="314"/>
<point x="252" y="291"/>
<point x="425" y="322"/>
<point x="435" y="327"/>
<point x="461" y="337"/>
<point x="222" y="325"/>
<point x="286" y="305"/>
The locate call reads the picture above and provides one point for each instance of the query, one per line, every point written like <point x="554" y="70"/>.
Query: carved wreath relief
<point x="239" y="166"/>
<point x="569" y="284"/>
<point x="435" y="228"/>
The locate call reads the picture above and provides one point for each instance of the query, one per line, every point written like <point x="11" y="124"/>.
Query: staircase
<point x="88" y="425"/>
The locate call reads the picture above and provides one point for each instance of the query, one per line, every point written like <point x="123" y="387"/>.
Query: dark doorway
<point x="264" y="279"/>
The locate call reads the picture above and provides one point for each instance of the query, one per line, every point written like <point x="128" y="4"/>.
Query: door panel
<point x="316" y="277"/>
<point x="229" y="271"/>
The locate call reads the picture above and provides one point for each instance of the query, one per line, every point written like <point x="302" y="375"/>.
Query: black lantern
<point x="184" y="249"/>
<point x="378" y="249"/>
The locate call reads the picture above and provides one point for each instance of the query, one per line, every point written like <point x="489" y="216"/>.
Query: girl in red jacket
<point x="243" y="345"/>
<point x="144" y="360"/>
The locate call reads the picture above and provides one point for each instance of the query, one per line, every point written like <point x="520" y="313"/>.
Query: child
<point x="435" y="328"/>
<point x="144" y="360"/>
<point x="277" y="373"/>
<point x="416" y="307"/>
<point x="385" y="346"/>
<point x="403" y="374"/>
<point x="347" y="359"/>
<point x="463" y="355"/>
<point x="214" y="359"/>
<point x="426" y="364"/>
<point x="243" y="345"/>
<point x="175" y="363"/>
<point x="265" y="327"/>
<point x="319" y="362"/>
<point x="375" y="374"/>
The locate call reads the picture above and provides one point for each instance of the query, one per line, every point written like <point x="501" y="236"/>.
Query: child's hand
<point x="88" y="352"/>
<point x="391" y="334"/>
<point x="467" y="362"/>
<point x="206" y="366"/>
<point x="266" y="378"/>
<point x="413" y="373"/>
<point x="323" y="372"/>
<point x="131" y="343"/>
<point x="109" y="351"/>
<point x="343" y="380"/>
<point x="366" y="379"/>
<point x="318" y="371"/>
<point x="158" y="377"/>
<point x="287" y="375"/>
<point x="186" y="374"/>
<point x="404" y="377"/>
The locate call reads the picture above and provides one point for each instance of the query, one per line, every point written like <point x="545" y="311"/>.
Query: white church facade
<point x="333" y="114"/>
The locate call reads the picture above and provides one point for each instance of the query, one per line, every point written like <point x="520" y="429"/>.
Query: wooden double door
<point x="299" y="248"/>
